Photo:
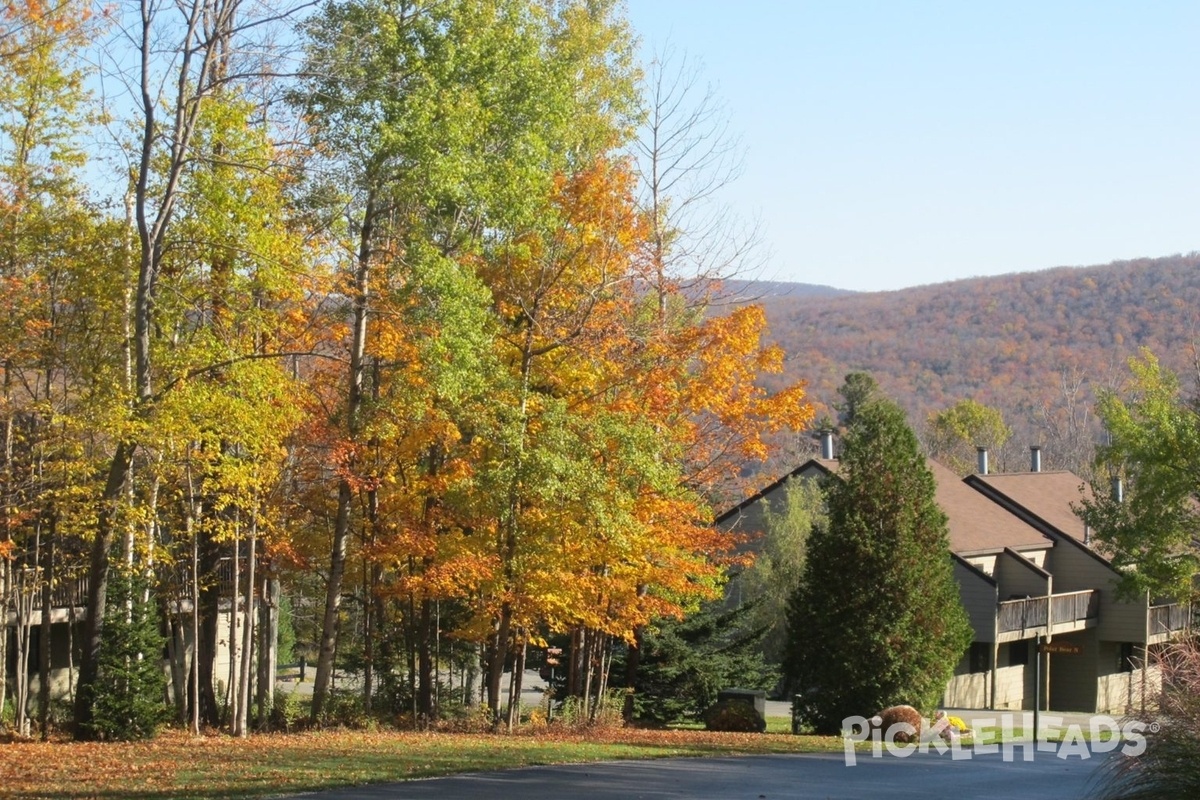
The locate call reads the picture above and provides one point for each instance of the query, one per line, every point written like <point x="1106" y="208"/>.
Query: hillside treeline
<point x="1033" y="345"/>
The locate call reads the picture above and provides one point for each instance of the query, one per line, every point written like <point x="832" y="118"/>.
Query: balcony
<point x="68" y="593"/>
<point x="1169" y="619"/>
<point x="1058" y="613"/>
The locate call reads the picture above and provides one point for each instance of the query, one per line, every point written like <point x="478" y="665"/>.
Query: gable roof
<point x="813" y="465"/>
<point x="1047" y="495"/>
<point x="977" y="525"/>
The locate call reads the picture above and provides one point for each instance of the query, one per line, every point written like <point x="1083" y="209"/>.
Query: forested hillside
<point x="1035" y="345"/>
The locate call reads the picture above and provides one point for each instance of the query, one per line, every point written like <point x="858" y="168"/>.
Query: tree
<point x="1150" y="534"/>
<point x="130" y="683"/>
<point x="769" y="583"/>
<point x="686" y="663"/>
<point x="857" y="389"/>
<point x="60" y="287"/>
<point x="954" y="433"/>
<point x="685" y="156"/>
<point x="457" y="127"/>
<point x="876" y="619"/>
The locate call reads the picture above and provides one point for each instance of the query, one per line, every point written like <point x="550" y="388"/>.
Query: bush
<point x="686" y="663"/>
<point x="459" y="718"/>
<point x="734" y="716"/>
<point x="289" y="712"/>
<point x="346" y="709"/>
<point x="1170" y="766"/>
<point x="571" y="713"/>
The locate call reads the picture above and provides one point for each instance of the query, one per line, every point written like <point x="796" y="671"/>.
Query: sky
<point x="898" y="143"/>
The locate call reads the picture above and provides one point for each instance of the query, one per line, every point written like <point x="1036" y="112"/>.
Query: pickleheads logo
<point x="1103" y="734"/>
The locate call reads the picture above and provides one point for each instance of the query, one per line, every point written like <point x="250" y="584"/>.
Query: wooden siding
<point x="1018" y="577"/>
<point x="1014" y="686"/>
<point x="1169" y="619"/>
<point x="967" y="689"/>
<point x="978" y="596"/>
<point x="1076" y="569"/>
<point x="1037" y="557"/>
<point x="985" y="564"/>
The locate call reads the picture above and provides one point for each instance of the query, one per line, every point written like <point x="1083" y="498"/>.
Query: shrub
<point x="346" y="709"/>
<point x="1170" y="766"/>
<point x="571" y="713"/>
<point x="289" y="712"/>
<point x="734" y="716"/>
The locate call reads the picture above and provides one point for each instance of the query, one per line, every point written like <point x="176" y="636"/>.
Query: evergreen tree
<point x="876" y="619"/>
<point x="685" y="663"/>
<point x="131" y="684"/>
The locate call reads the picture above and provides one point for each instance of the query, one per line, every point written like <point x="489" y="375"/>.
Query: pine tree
<point x="131" y="684"/>
<point x="686" y="663"/>
<point x="876" y="619"/>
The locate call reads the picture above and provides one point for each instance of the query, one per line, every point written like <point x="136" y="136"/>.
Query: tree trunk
<point x="24" y="627"/>
<point x="497" y="654"/>
<point x="233" y="684"/>
<point x="177" y="655"/>
<point x="240" y="720"/>
<point x="268" y="647"/>
<point x="208" y="624"/>
<point x="633" y="660"/>
<point x="518" y="678"/>
<point x="48" y="568"/>
<point x="194" y="672"/>
<point x="341" y="528"/>
<point x="4" y="606"/>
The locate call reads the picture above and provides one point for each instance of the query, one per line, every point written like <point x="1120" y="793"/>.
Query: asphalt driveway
<point x="919" y="777"/>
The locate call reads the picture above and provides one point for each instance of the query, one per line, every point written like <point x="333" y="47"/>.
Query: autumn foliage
<point x="407" y="350"/>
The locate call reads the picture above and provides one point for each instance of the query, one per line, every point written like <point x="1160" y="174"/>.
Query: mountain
<point x="781" y="289"/>
<point x="1036" y="345"/>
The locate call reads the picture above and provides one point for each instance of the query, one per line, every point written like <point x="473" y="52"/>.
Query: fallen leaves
<point x="176" y="765"/>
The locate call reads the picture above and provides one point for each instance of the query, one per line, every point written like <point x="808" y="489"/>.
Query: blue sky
<point x="893" y="144"/>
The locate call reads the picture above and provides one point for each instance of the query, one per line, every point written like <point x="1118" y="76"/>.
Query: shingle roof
<point x="813" y="465"/>
<point x="1049" y="495"/>
<point x="977" y="524"/>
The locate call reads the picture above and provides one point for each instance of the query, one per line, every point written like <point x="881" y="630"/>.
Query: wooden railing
<point x="69" y="587"/>
<point x="1037" y="612"/>
<point x="1029" y="612"/>
<point x="1074" y="606"/>
<point x="1170" y="618"/>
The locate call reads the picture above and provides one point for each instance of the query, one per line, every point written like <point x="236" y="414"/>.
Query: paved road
<point x="798" y="777"/>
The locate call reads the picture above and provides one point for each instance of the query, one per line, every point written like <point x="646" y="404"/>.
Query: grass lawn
<point x="176" y="765"/>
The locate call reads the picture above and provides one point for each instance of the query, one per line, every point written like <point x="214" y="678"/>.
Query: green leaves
<point x="1150" y="534"/>
<point x="955" y="432"/>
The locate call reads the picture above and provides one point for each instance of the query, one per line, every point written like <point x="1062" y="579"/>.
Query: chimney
<point x="1035" y="458"/>
<point x="1118" y="489"/>
<point x="983" y="465"/>
<point x="826" y="437"/>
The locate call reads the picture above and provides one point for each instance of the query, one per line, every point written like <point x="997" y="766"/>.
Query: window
<point x="980" y="656"/>
<point x="1018" y="653"/>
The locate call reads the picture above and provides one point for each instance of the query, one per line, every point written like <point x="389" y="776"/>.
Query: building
<point x="1040" y="597"/>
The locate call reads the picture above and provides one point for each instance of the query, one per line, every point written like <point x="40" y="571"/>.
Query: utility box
<point x="755" y="698"/>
